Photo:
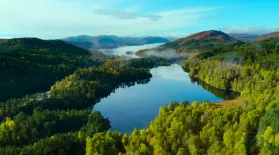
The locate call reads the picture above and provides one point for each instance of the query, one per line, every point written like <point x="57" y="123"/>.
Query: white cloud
<point x="125" y="14"/>
<point x="57" y="19"/>
<point x="189" y="10"/>
<point x="249" y="30"/>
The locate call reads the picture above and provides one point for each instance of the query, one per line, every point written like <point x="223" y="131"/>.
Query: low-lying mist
<point x="166" y="54"/>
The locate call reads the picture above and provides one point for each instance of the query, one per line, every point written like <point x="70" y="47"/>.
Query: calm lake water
<point x="135" y="106"/>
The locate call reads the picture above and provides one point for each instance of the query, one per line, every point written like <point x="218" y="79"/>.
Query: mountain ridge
<point x="111" y="41"/>
<point x="200" y="41"/>
<point x="254" y="37"/>
<point x="268" y="35"/>
<point x="244" y="37"/>
<point x="191" y="45"/>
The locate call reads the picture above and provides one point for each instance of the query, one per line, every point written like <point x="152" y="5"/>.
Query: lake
<point x="135" y="106"/>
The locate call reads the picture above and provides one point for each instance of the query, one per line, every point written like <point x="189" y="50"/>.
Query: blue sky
<point x="50" y="19"/>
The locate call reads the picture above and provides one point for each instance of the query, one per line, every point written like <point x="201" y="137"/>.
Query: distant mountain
<point x="244" y="37"/>
<point x="253" y="37"/>
<point x="267" y="36"/>
<point x="200" y="41"/>
<point x="110" y="41"/>
<point x="152" y="40"/>
<point x="191" y="45"/>
<point x="171" y="39"/>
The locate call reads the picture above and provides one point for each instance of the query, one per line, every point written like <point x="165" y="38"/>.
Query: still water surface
<point x="135" y="106"/>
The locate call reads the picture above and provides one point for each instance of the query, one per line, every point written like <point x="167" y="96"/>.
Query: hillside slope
<point x="201" y="41"/>
<point x="254" y="37"/>
<point x="244" y="37"/>
<point x="268" y="35"/>
<point x="251" y="69"/>
<point x="192" y="45"/>
<point x="30" y="65"/>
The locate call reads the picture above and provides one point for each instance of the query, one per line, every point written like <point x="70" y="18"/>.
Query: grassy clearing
<point x="237" y="101"/>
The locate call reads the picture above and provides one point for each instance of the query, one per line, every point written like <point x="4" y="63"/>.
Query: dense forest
<point x="247" y="127"/>
<point x="61" y="122"/>
<point x="30" y="65"/>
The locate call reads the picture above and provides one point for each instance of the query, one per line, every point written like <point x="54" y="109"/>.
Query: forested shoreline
<point x="61" y="121"/>
<point x="31" y="65"/>
<point x="248" y="127"/>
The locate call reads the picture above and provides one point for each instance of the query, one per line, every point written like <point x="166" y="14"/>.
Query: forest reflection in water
<point x="225" y="94"/>
<point x="135" y="104"/>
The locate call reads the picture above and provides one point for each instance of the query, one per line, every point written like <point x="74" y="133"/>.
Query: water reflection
<point x="222" y="93"/>
<point x="133" y="83"/>
<point x="132" y="107"/>
<point x="172" y="72"/>
<point x="135" y="104"/>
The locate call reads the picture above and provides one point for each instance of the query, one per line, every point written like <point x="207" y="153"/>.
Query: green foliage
<point x="268" y="132"/>
<point x="31" y="65"/>
<point x="271" y="119"/>
<point x="104" y="144"/>
<point x="180" y="128"/>
<point x="146" y="62"/>
<point x="88" y="86"/>
<point x="65" y="144"/>
<point x="59" y="121"/>
<point x="25" y="130"/>
<point x="252" y="70"/>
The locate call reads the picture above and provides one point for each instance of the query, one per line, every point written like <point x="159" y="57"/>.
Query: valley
<point x="113" y="102"/>
<point x="142" y="101"/>
<point x="148" y="77"/>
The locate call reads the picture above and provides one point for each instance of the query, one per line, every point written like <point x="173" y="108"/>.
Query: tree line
<point x="60" y="121"/>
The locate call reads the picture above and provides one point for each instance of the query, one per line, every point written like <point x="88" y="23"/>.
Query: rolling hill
<point x="254" y="37"/>
<point x="244" y="37"/>
<point x="31" y="65"/>
<point x="200" y="41"/>
<point x="268" y="35"/>
<point x="192" y="45"/>
<point x="53" y="47"/>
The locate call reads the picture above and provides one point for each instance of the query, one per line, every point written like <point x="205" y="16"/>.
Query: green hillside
<point x="59" y="122"/>
<point x="29" y="65"/>
<point x="268" y="35"/>
<point x="248" y="125"/>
